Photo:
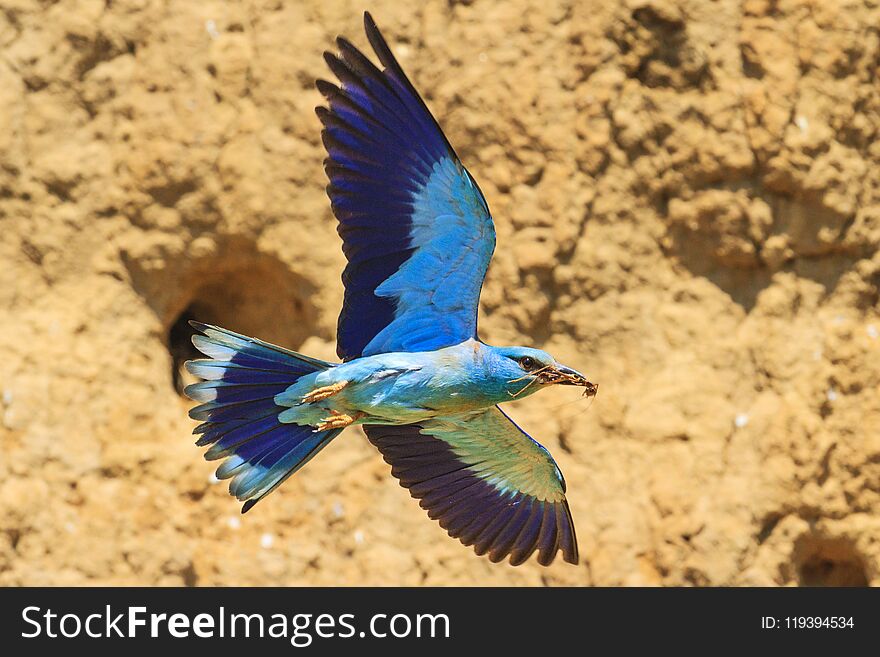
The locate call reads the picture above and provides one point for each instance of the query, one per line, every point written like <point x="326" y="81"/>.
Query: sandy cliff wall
<point x="687" y="199"/>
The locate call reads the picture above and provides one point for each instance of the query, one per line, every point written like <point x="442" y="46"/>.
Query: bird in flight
<point x="418" y="237"/>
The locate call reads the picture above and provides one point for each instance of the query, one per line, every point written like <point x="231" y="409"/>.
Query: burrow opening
<point x="260" y="297"/>
<point x="822" y="561"/>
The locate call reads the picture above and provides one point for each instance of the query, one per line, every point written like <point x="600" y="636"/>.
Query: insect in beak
<point x="566" y="376"/>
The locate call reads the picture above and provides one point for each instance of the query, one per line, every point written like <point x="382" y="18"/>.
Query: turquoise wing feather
<point x="415" y="227"/>
<point x="486" y="481"/>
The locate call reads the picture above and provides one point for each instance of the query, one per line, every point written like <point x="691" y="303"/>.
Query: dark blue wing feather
<point x="487" y="483"/>
<point x="415" y="228"/>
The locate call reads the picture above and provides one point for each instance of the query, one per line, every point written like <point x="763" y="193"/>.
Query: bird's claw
<point x="337" y="420"/>
<point x="323" y="392"/>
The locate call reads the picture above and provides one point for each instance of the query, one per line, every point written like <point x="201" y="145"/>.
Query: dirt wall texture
<point x="687" y="200"/>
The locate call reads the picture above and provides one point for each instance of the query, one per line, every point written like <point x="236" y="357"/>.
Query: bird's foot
<point x="337" y="420"/>
<point x="323" y="392"/>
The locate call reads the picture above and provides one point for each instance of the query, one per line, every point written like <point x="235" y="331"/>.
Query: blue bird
<point x="418" y="237"/>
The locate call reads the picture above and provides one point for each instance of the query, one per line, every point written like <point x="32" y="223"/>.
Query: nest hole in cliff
<point x="258" y="296"/>
<point x="822" y="561"/>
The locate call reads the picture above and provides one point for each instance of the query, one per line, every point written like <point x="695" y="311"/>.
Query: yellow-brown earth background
<point x="687" y="200"/>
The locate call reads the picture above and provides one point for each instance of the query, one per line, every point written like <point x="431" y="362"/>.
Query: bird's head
<point x="527" y="368"/>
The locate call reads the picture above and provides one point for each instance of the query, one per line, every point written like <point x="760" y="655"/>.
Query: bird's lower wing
<point x="486" y="481"/>
<point x="415" y="227"/>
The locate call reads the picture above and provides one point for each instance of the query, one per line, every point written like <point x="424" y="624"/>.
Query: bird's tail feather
<point x="239" y="415"/>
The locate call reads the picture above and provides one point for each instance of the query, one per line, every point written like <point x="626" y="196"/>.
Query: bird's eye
<point x="528" y="363"/>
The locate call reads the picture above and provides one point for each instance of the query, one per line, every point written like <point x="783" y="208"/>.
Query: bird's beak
<point x="568" y="377"/>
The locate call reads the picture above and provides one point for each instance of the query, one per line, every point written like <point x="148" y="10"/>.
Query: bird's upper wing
<point x="487" y="482"/>
<point x="415" y="227"/>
